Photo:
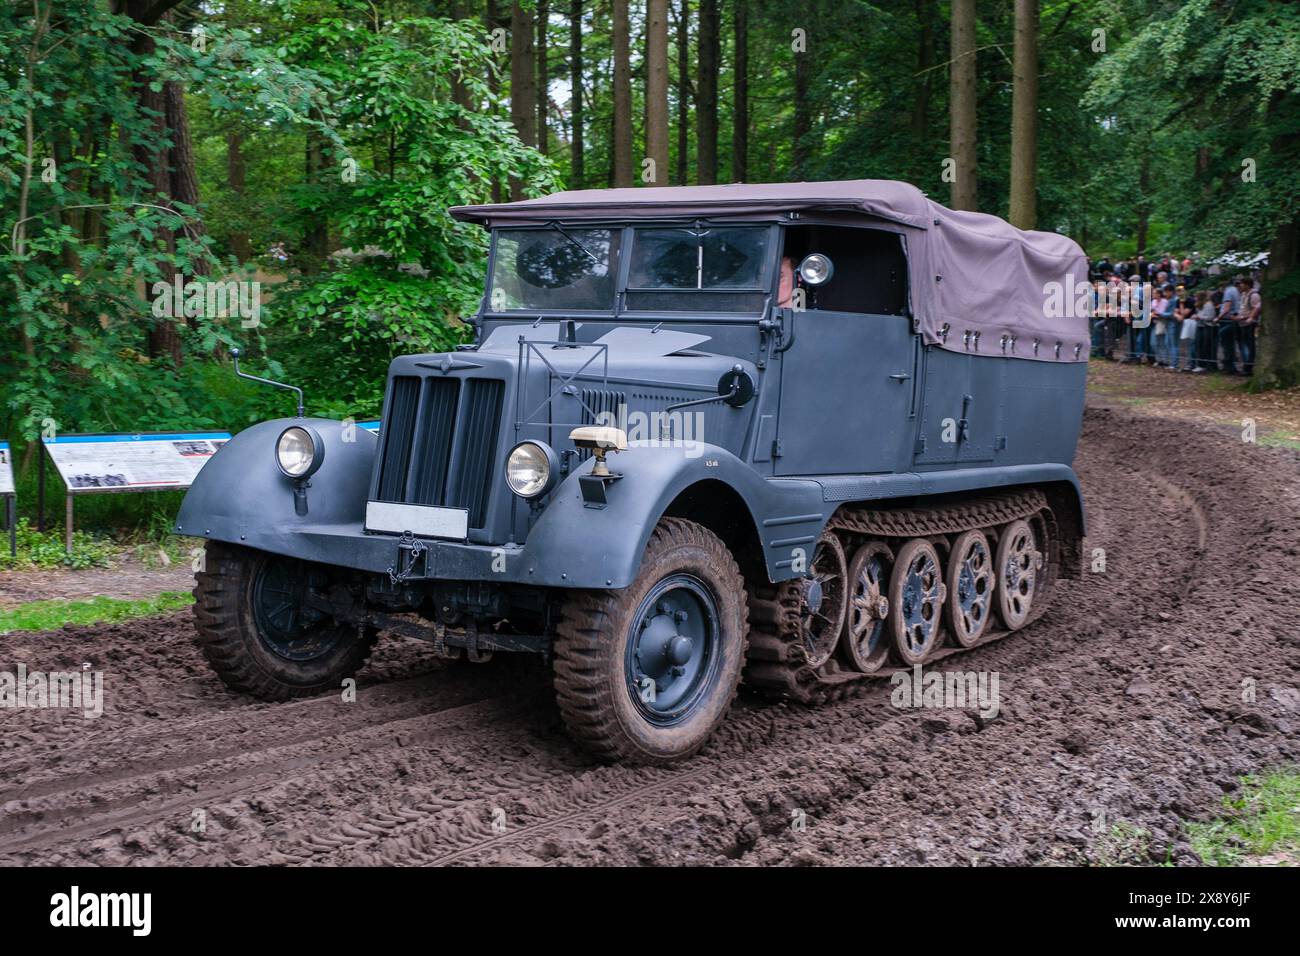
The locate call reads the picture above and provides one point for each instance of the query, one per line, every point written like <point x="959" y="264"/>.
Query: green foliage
<point x="46" y="549"/>
<point x="1219" y="78"/>
<point x="50" y="615"/>
<point x="344" y="327"/>
<point x="358" y="134"/>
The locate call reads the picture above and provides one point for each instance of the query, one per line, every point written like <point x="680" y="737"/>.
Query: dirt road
<point x="1136" y="702"/>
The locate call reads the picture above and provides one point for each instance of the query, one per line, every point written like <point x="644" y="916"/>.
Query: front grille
<point x="440" y="443"/>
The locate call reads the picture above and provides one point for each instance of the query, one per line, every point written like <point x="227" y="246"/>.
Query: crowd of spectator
<point x="1171" y="314"/>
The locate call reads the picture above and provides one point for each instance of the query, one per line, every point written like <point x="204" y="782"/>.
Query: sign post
<point x="145" y="461"/>
<point x="8" y="493"/>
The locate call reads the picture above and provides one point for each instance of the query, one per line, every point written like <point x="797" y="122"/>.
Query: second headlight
<point x="531" y="469"/>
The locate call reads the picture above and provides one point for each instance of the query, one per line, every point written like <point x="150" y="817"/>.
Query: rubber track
<point x="777" y="665"/>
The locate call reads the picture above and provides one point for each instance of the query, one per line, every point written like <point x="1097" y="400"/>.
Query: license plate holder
<point x="423" y="521"/>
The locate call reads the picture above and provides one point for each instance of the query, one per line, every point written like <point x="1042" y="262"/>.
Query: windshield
<point x="554" y="268"/>
<point x="707" y="257"/>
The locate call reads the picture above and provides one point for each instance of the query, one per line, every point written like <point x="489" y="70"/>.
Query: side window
<point x="870" y="268"/>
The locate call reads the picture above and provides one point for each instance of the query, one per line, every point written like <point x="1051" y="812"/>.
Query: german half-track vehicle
<point x="796" y="436"/>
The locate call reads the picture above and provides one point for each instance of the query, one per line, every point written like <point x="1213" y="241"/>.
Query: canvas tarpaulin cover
<point x="978" y="284"/>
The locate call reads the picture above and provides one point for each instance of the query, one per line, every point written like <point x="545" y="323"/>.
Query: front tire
<point x="256" y="634"/>
<point x="645" y="674"/>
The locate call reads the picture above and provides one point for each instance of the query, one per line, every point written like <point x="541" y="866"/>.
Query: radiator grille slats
<point x="440" y="443"/>
<point x="398" y="435"/>
<point x="478" y="436"/>
<point x="428" y="481"/>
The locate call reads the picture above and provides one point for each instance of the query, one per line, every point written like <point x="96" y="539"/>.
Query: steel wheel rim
<point x="865" y="636"/>
<point x="278" y="589"/>
<point x="973" y="593"/>
<point x="920" y="602"/>
<point x="1018" y="572"/>
<point x="822" y="591"/>
<point x="674" y="651"/>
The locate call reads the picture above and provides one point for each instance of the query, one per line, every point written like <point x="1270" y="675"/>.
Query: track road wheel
<point x="865" y="644"/>
<point x="256" y="633"/>
<point x="823" y="599"/>
<point x="970" y="582"/>
<point x="1019" y="562"/>
<point x="916" y="596"/>
<point x="645" y="674"/>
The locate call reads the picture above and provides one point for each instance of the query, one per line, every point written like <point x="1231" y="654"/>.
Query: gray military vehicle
<point x="795" y="435"/>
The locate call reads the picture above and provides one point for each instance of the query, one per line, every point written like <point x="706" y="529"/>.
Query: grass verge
<point x="1261" y="825"/>
<point x="49" y="615"/>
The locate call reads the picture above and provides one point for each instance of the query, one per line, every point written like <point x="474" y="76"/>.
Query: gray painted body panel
<point x="241" y="497"/>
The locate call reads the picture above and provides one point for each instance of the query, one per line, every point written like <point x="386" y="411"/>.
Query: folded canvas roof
<point x="978" y="284"/>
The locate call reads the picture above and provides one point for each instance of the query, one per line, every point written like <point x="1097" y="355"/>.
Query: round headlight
<point x="816" y="269"/>
<point x="299" y="452"/>
<point x="531" y="469"/>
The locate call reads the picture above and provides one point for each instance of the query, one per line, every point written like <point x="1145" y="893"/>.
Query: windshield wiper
<point x="560" y="229"/>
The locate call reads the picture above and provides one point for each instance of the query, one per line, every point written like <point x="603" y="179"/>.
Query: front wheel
<point x="257" y="633"/>
<point x="645" y="674"/>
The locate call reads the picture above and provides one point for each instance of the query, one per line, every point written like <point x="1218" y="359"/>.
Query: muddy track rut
<point x="1134" y="703"/>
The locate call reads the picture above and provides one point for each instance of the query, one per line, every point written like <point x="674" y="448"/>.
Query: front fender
<point x="575" y="544"/>
<point x="241" y="496"/>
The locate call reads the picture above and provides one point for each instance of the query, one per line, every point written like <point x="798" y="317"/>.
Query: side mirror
<point x="735" y="387"/>
<point x="816" y="269"/>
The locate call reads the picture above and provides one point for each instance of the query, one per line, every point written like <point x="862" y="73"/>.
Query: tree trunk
<point x="683" y="90"/>
<point x="1143" y="203"/>
<point x="241" y="247"/>
<point x="1024" y="117"/>
<point x="925" y="15"/>
<point x="576" y="173"/>
<point x="802" y="148"/>
<point x="523" y="84"/>
<point x="740" y="98"/>
<point x="183" y="183"/>
<point x="164" y="338"/>
<point x="315" y="240"/>
<point x="543" y="75"/>
<point x="656" y="91"/>
<point x="492" y="20"/>
<point x="706" y="107"/>
<point x="1278" y="364"/>
<point x="622" y="125"/>
<point x="962" y="121"/>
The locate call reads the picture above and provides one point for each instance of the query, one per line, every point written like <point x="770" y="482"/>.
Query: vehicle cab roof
<point x="976" y="282"/>
<point x="878" y="198"/>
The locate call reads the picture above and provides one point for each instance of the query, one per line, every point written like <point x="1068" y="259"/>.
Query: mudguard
<point x="578" y="544"/>
<point x="241" y="496"/>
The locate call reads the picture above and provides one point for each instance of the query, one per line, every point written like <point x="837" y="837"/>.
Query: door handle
<point x="900" y="376"/>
